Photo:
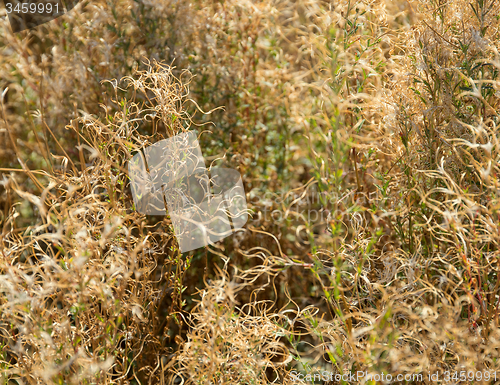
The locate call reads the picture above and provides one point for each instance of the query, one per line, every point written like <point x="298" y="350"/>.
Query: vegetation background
<point x="366" y="135"/>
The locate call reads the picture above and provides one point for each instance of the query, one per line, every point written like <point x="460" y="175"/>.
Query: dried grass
<point x="386" y="110"/>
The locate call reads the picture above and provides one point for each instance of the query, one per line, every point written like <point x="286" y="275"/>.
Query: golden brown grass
<point x="387" y="111"/>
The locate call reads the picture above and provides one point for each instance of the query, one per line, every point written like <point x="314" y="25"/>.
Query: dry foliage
<point x="378" y="117"/>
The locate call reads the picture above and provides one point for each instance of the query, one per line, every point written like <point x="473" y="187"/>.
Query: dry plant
<point x="92" y="287"/>
<point x="381" y="115"/>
